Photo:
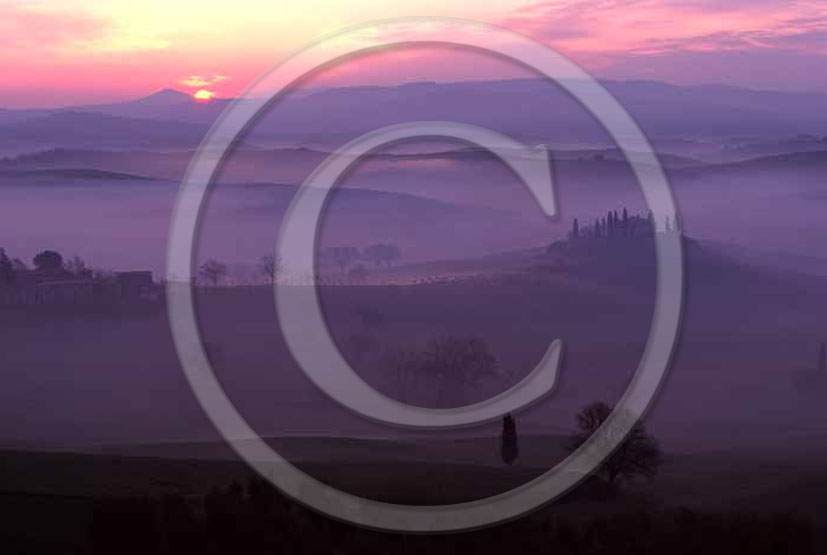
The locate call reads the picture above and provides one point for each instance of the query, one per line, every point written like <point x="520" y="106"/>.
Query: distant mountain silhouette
<point x="799" y="143"/>
<point x="530" y="109"/>
<point x="165" y="104"/>
<point x="808" y="160"/>
<point x="164" y="97"/>
<point x="801" y="167"/>
<point x="67" y="127"/>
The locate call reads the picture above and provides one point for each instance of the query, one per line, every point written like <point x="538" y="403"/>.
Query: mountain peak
<point x="166" y="96"/>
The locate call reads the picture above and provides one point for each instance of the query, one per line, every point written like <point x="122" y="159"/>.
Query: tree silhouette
<point x="212" y="271"/>
<point x="509" y="449"/>
<point x="575" y="229"/>
<point x="48" y="261"/>
<point x="639" y="454"/>
<point x="271" y="266"/>
<point x="457" y="363"/>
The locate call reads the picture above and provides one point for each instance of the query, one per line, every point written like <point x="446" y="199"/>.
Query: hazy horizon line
<point x="446" y="82"/>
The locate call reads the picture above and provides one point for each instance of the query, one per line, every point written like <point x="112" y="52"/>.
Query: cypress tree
<point x="509" y="449"/>
<point x="625" y="222"/>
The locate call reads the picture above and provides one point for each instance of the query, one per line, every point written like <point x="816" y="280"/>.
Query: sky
<point x="64" y="52"/>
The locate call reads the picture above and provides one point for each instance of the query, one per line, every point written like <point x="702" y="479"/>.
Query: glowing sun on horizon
<point x="203" y="95"/>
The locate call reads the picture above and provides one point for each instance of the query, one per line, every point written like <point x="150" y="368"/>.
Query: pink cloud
<point x="659" y="25"/>
<point x="198" y="81"/>
<point x="24" y="27"/>
<point x="642" y="38"/>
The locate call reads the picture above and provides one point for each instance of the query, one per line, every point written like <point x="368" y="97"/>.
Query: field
<point x="103" y="412"/>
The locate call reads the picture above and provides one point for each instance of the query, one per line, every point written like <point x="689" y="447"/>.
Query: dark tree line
<point x="377" y="255"/>
<point x="257" y="519"/>
<point x="45" y="263"/>
<point x="622" y="225"/>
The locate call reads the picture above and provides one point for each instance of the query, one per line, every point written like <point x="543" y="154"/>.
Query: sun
<point x="203" y="95"/>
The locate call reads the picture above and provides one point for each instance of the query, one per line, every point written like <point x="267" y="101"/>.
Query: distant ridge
<point x="528" y="109"/>
<point x="164" y="97"/>
<point x="77" y="128"/>
<point x="75" y="173"/>
<point x="793" y="161"/>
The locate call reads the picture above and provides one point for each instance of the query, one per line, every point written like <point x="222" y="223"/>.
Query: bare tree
<point x="212" y="271"/>
<point x="271" y="266"/>
<point x="639" y="454"/>
<point x="457" y="363"/>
